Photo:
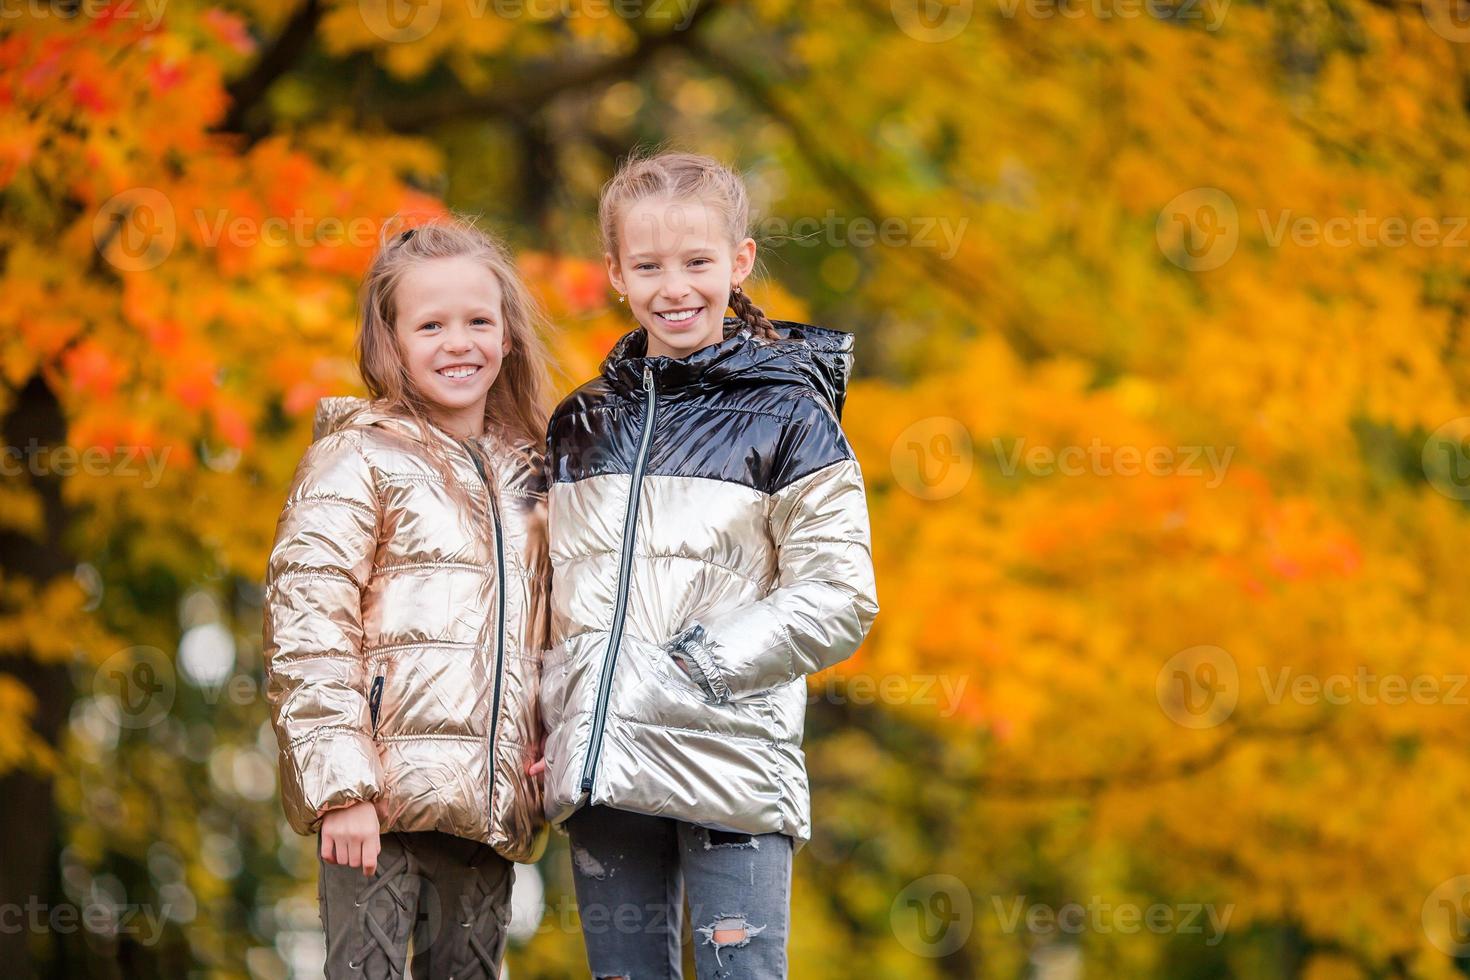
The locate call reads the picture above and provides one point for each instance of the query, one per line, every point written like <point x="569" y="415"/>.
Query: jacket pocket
<point x="689" y="650"/>
<point x="375" y="701"/>
<point x="660" y="693"/>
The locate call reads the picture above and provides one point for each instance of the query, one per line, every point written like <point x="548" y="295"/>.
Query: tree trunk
<point x="29" y="824"/>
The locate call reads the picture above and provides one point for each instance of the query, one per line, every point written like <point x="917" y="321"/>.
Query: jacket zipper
<point x="620" y="609"/>
<point x="375" y="701"/>
<point x="499" y="636"/>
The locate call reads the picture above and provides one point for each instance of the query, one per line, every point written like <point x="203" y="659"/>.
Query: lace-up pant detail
<point x="448" y="896"/>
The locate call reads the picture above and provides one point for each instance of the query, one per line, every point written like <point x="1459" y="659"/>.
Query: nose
<point x="674" y="287"/>
<point x="456" y="338"/>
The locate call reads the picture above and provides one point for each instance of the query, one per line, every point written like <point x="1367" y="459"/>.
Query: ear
<point x="614" y="271"/>
<point x="744" y="262"/>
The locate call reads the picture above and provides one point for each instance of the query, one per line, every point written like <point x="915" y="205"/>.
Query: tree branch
<point x="949" y="276"/>
<point x="247" y="91"/>
<point x="537" y="88"/>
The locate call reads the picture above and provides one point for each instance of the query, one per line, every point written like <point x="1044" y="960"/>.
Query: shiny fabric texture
<point x="382" y="628"/>
<point x="751" y="523"/>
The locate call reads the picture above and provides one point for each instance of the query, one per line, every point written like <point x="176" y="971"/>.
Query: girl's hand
<point x="350" y="836"/>
<point x="538" y="754"/>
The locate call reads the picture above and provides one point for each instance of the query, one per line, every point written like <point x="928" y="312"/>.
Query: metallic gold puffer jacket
<point x="706" y="509"/>
<point x="404" y="626"/>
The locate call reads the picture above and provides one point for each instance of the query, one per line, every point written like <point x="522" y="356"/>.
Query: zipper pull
<point x="375" y="700"/>
<point x="647" y="378"/>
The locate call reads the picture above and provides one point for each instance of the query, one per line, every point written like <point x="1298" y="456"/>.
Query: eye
<point x="644" y="267"/>
<point x="485" y="320"/>
<point x="699" y="261"/>
<point x="431" y="325"/>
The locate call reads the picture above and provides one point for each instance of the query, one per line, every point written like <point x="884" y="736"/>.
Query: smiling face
<point x="677" y="263"/>
<point x="450" y="328"/>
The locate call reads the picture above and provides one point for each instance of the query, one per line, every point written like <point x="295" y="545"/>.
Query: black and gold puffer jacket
<point x="709" y="510"/>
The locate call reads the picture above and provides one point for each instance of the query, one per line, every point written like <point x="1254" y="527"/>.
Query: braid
<point x="753" y="315"/>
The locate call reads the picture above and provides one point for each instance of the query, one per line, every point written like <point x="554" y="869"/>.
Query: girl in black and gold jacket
<point x="710" y="548"/>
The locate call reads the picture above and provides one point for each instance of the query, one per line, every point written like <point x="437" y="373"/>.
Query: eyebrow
<point x="644" y="256"/>
<point x="435" y="314"/>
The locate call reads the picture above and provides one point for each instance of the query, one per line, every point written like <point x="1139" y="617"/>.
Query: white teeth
<point x="459" y="371"/>
<point x="679" y="317"/>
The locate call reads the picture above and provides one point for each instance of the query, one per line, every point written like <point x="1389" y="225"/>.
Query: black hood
<point x="815" y="357"/>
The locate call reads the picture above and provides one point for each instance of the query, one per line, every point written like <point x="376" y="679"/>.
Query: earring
<point x="735" y="288"/>
<point x="621" y="297"/>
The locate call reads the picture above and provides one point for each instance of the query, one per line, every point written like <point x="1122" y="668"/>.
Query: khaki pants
<point x="450" y="894"/>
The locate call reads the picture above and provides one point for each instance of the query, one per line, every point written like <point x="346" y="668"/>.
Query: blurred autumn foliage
<point x="1161" y="316"/>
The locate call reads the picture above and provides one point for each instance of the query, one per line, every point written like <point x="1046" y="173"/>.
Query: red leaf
<point x="89" y="368"/>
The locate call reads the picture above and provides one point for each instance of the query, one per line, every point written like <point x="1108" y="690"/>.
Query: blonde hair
<point x="516" y="408"/>
<point x="684" y="177"/>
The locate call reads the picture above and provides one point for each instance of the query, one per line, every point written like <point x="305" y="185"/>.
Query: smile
<point x="679" y="316"/>
<point x="457" y="371"/>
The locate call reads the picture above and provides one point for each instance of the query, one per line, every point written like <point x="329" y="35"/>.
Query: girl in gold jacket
<point x="406" y="614"/>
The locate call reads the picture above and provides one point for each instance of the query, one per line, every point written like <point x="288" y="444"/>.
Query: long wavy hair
<point x="515" y="409"/>
<point x="684" y="177"/>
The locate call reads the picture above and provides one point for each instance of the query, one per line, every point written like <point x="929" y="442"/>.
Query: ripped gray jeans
<point x="630" y="874"/>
